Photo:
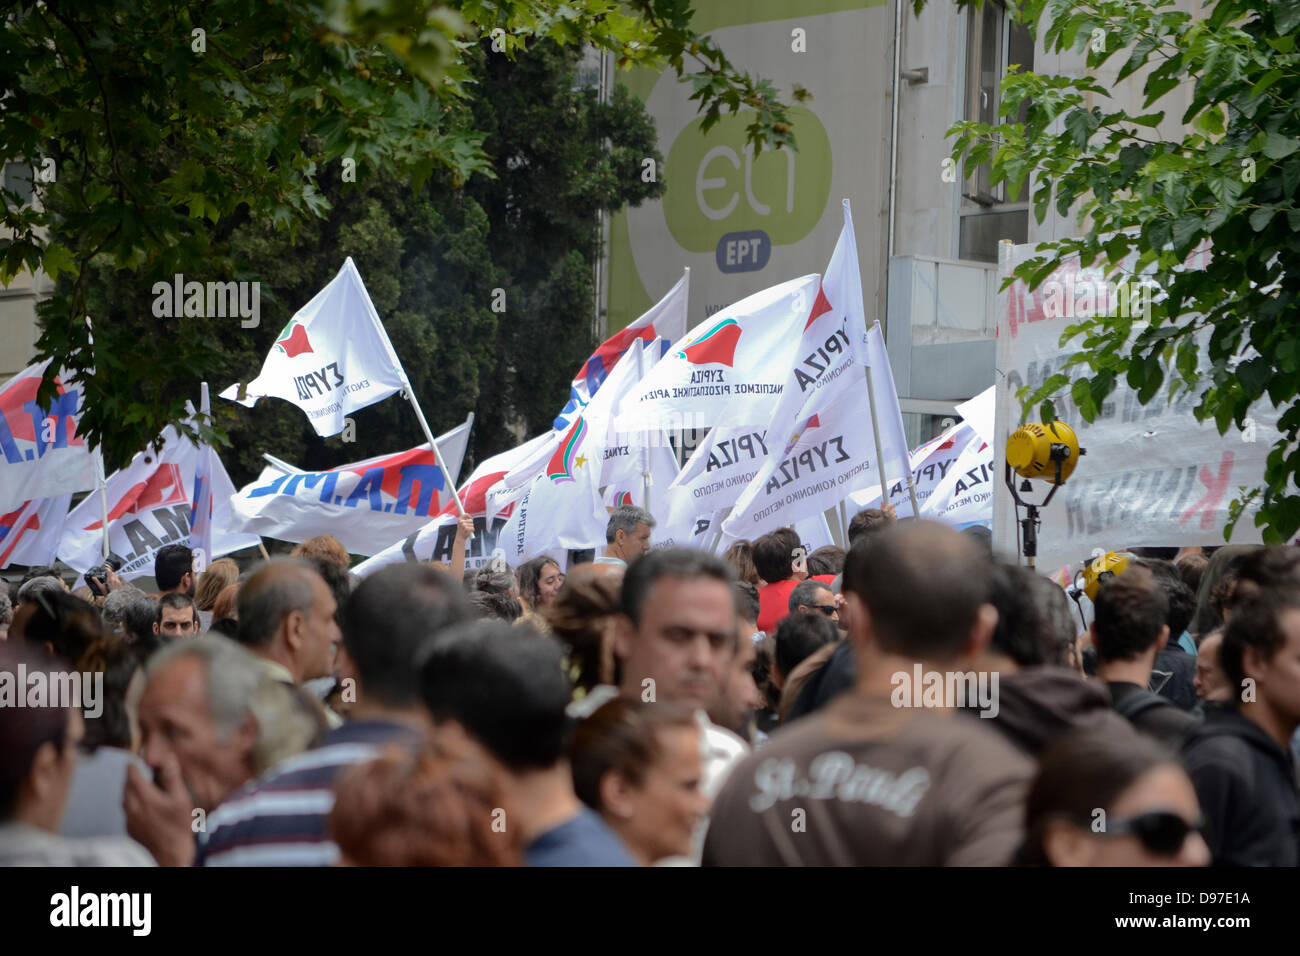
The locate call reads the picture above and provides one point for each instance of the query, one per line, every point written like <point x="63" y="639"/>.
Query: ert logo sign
<point x="737" y="205"/>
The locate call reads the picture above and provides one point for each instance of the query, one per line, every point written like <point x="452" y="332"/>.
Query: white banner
<point x="365" y="504"/>
<point x="149" y="507"/>
<point x="43" y="456"/>
<point x="1152" y="475"/>
<point x="332" y="358"/>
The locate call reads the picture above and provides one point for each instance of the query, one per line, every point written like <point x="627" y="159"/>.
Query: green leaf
<point x="1277" y="146"/>
<point x="1261" y="217"/>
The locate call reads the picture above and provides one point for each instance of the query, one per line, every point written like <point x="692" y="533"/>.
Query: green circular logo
<point x="717" y="186"/>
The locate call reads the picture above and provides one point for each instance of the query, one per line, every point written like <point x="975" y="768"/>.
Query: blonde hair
<point x="218" y="576"/>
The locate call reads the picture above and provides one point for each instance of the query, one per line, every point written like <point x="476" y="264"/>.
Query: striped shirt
<point x="279" y="819"/>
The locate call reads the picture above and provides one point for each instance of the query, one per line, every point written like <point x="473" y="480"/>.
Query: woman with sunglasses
<point x="1112" y="801"/>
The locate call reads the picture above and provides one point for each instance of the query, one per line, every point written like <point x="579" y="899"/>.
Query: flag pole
<point x="880" y="453"/>
<point x="409" y="394"/>
<point x="645" y="448"/>
<point x="101" y="482"/>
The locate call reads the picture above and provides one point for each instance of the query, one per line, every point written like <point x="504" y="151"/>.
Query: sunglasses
<point x="827" y="609"/>
<point x="1160" y="831"/>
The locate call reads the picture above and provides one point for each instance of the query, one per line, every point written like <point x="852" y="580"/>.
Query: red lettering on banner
<point x="1215" y="486"/>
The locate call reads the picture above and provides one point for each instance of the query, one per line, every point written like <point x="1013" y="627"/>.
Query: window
<point x="988" y="214"/>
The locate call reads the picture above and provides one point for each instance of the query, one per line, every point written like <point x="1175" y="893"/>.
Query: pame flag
<point x="333" y="357"/>
<point x="666" y="320"/>
<point x="43" y="456"/>
<point x="149" y="507"/>
<point x="30" y="534"/>
<point x="365" y="504"/>
<point x="436" y="540"/>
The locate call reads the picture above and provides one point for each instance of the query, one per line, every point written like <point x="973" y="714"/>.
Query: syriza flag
<point x="820" y="438"/>
<point x="666" y="320"/>
<point x="149" y="505"/>
<point x="730" y="368"/>
<point x="365" y="504"/>
<point x="930" y="464"/>
<point x="43" y="456"/>
<point x="965" y="495"/>
<point x="332" y="358"/>
<point x="434" y="541"/>
<point x="30" y="534"/>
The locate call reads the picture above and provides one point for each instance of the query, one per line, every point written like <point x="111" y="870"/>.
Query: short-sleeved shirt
<point x="583" y="840"/>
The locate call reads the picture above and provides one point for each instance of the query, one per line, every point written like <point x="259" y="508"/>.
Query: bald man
<point x="287" y="618"/>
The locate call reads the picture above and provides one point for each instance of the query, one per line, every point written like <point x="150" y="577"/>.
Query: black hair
<point x="1079" y="774"/>
<point x="176" y="601"/>
<point x="924" y="585"/>
<point x="24" y="730"/>
<point x="799" y="636"/>
<point x="170" y="564"/>
<point x="827" y="559"/>
<point x="66" y="623"/>
<point x="506" y="686"/>
<point x="118" y="661"/>
<point x="529" y="577"/>
<point x="226" y="626"/>
<point x="805" y="593"/>
<point x="336" y="578"/>
<point x="1128" y="614"/>
<point x="1020" y="633"/>
<point x="774" y="554"/>
<point x="646" y="570"/>
<point x="390" y="616"/>
<point x="865" y="522"/>
<point x="1255" y="622"/>
<point x="1182" y="602"/>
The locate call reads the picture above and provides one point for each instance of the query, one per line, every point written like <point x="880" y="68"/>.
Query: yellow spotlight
<point x="1035" y="450"/>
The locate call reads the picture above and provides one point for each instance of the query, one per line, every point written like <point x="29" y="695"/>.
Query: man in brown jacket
<point x="888" y="774"/>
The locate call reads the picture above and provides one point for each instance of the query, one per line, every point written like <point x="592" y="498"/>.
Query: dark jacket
<point x="1174" y="677"/>
<point x="1036" y="705"/>
<point x="837" y="675"/>
<point x="1152" y="714"/>
<point x="1246" y="785"/>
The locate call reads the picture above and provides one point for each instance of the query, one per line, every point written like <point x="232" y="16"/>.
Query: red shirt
<point x="774" y="601"/>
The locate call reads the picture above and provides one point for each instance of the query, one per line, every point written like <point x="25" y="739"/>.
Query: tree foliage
<point x="171" y="127"/>
<point x="1230" y="179"/>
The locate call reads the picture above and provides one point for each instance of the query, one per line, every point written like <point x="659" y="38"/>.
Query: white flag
<point x="43" y="456"/>
<point x="365" y="504"/>
<point x="823" y="420"/>
<point x="965" y="496"/>
<point x="332" y="358"/>
<point x="930" y="464"/>
<point x="729" y="369"/>
<point x="30" y="534"/>
<point x="149" y="507"/>
<point x="202" y="505"/>
<point x="434" y="541"/>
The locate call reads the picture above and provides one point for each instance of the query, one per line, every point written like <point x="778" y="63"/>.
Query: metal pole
<point x="409" y="392"/>
<point x="880" y="452"/>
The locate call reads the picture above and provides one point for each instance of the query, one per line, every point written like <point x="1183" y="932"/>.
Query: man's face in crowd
<point x="320" y="632"/>
<point x="637" y="543"/>
<point x="176" y="722"/>
<point x="1279" y="677"/>
<point x="685" y="643"/>
<point x="822" y="600"/>
<point x="177" y="622"/>
<point x="1211" y="682"/>
<point x="740" y="695"/>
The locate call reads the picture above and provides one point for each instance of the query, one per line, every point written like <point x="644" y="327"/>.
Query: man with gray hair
<point x="287" y="618"/>
<point x="43" y="584"/>
<point x="199" y="731"/>
<point x="627" y="535"/>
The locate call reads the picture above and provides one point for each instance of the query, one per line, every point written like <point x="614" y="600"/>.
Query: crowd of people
<point x="914" y="701"/>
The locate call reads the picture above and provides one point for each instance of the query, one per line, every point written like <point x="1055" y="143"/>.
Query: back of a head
<point x="389" y="618"/>
<point x="506" y="686"/>
<point x="1059" y="627"/>
<point x="680" y="563"/>
<point x="24" y="730"/>
<point x="1182" y="602"/>
<point x="774" y="555"/>
<point x="323" y="546"/>
<point x="276" y="589"/>
<point x="41" y="584"/>
<point x="1079" y="774"/>
<point x="497" y="606"/>
<point x="44" y="571"/>
<point x="421" y="809"/>
<point x="747" y="602"/>
<point x="741" y="558"/>
<point x="827" y="559"/>
<point x="622" y="735"/>
<point x="865" y="522"/>
<point x="799" y="636"/>
<point x="227" y="603"/>
<point x="923" y="584"/>
<point x="172" y="563"/>
<point x="578" y="617"/>
<point x="1256" y="624"/>
<point x="497" y="580"/>
<point x="1225" y="559"/>
<point x="139" y="614"/>
<point x="1277" y="566"/>
<point x="1020" y="629"/>
<point x="67" y="624"/>
<point x="1129" y="613"/>
<point x="1191" y="567"/>
<point x="216" y="577"/>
